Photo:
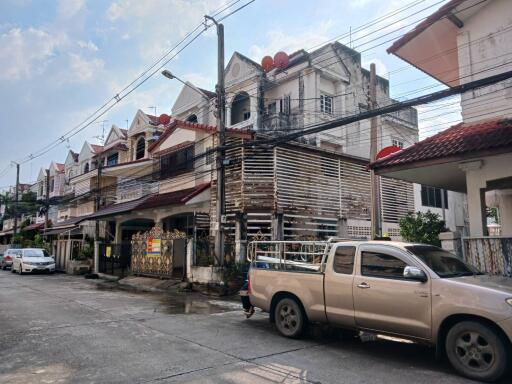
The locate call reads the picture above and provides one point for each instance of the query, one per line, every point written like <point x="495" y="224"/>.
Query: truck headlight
<point x="509" y="301"/>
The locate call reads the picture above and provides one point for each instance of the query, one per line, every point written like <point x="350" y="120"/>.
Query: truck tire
<point x="476" y="351"/>
<point x="289" y="317"/>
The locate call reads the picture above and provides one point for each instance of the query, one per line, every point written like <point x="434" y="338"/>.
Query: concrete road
<point x="64" y="329"/>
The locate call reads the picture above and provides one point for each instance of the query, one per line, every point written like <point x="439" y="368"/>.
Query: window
<point x="113" y="159"/>
<point x="344" y="260"/>
<point x="285" y="104"/>
<point x="41" y="188"/>
<point x="247" y="115"/>
<point x="326" y="104"/>
<point x="240" y="108"/>
<point x="52" y="184"/>
<point x="271" y="108"/>
<point x="397" y="143"/>
<point x="192" y="118"/>
<point x="86" y="167"/>
<point x="431" y="197"/>
<point x="140" y="149"/>
<point x="378" y="264"/>
<point x="177" y="162"/>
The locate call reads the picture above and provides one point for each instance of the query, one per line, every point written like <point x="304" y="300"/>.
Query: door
<point x="384" y="300"/>
<point x="339" y="279"/>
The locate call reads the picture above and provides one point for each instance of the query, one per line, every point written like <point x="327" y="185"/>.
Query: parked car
<point x="33" y="260"/>
<point x="411" y="291"/>
<point x="8" y="257"/>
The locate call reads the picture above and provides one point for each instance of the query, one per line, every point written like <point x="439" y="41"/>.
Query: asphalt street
<point x="65" y="329"/>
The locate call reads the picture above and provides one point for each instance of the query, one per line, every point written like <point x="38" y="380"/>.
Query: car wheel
<point x="476" y="351"/>
<point x="12" y="269"/>
<point x="289" y="317"/>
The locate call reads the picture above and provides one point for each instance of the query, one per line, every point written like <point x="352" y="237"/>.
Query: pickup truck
<point x="410" y="291"/>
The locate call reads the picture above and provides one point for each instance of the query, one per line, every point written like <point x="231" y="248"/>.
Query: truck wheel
<point x="476" y="351"/>
<point x="289" y="317"/>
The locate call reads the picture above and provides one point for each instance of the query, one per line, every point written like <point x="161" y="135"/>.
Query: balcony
<point x="280" y="121"/>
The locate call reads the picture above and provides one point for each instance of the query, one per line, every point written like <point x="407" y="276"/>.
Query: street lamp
<point x="170" y="76"/>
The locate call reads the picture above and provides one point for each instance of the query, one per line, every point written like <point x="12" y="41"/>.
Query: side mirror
<point x="414" y="273"/>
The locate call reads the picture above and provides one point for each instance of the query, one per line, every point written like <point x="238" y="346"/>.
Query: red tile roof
<point x="34" y="226"/>
<point x="60" y="167"/>
<point x="96" y="148"/>
<point x="436" y="16"/>
<point x="460" y="139"/>
<point x="173" y="198"/>
<point x="124" y="132"/>
<point x="150" y="201"/>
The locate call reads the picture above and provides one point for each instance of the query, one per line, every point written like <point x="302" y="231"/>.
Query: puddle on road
<point x="194" y="303"/>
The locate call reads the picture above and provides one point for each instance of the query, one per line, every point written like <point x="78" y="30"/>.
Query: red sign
<point x="386" y="151"/>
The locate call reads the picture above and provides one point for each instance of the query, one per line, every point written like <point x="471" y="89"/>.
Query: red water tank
<point x="267" y="63"/>
<point x="164" y="119"/>
<point x="281" y="60"/>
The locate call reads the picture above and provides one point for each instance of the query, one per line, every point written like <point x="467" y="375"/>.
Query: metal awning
<point x="76" y="230"/>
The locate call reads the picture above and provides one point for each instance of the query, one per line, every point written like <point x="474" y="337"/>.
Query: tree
<point x="422" y="227"/>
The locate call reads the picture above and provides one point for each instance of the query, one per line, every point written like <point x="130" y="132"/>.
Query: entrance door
<point x="384" y="300"/>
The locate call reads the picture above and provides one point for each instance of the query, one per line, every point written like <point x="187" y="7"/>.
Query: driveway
<point x="65" y="329"/>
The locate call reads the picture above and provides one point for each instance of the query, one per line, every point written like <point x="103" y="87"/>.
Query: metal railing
<point x="492" y="255"/>
<point x="296" y="256"/>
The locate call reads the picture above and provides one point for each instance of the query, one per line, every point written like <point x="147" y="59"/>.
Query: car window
<point x="379" y="264"/>
<point x="344" y="260"/>
<point x="33" y="253"/>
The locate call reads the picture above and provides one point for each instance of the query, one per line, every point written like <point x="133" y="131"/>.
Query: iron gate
<point x="115" y="259"/>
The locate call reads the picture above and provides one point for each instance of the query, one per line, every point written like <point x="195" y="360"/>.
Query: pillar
<point x="241" y="237"/>
<point x="277" y="227"/>
<point x="117" y="237"/>
<point x="475" y="186"/>
<point x="505" y="211"/>
<point x="342" y="227"/>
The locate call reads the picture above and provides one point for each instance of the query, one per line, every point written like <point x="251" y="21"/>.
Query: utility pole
<point x="47" y="200"/>
<point x="15" y="228"/>
<point x="221" y="130"/>
<point x="375" y="180"/>
<point x="98" y="201"/>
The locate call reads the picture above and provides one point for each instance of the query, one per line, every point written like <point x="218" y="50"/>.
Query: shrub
<point x="422" y="227"/>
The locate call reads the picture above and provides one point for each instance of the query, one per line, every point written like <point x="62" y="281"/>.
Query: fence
<point x="491" y="255"/>
<point x="115" y="259"/>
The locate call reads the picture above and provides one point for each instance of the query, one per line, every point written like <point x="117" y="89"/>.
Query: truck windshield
<point x="444" y="263"/>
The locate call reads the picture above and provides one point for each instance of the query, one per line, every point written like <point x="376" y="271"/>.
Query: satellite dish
<point x="281" y="60"/>
<point x="164" y="119"/>
<point x="267" y="63"/>
<point x="386" y="151"/>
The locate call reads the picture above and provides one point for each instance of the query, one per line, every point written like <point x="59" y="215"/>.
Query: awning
<point x="6" y="233"/>
<point x="149" y="202"/>
<point x="69" y="230"/>
<point x="34" y="226"/>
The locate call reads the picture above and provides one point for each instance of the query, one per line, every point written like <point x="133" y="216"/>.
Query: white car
<point x="33" y="260"/>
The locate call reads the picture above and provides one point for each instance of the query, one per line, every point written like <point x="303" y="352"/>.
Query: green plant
<point x="234" y="272"/>
<point x="87" y="252"/>
<point x="422" y="227"/>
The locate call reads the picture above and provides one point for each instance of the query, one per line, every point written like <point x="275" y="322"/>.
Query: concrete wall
<point x="485" y="46"/>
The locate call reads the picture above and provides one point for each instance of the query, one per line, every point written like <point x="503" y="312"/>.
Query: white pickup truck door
<point x="385" y="301"/>
<point x="339" y="278"/>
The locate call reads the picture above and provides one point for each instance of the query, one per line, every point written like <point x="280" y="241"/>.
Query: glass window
<point x="140" y="149"/>
<point x="431" y="197"/>
<point x="113" y="159"/>
<point x="444" y="263"/>
<point x="326" y="104"/>
<point x="177" y="162"/>
<point x="271" y="108"/>
<point x="379" y="264"/>
<point x="344" y="260"/>
<point x="397" y="143"/>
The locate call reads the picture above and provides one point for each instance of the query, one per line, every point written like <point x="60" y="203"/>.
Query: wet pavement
<point x="65" y="329"/>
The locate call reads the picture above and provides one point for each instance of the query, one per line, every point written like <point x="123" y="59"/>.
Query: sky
<point x="60" y="60"/>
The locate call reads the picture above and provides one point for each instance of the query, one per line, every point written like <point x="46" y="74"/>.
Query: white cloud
<point x="69" y="8"/>
<point x="87" y="45"/>
<point x="25" y="52"/>
<point x="281" y="41"/>
<point x="83" y="70"/>
<point x="157" y="25"/>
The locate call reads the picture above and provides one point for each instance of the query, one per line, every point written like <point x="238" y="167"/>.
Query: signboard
<point x="108" y="251"/>
<point x="154" y="247"/>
